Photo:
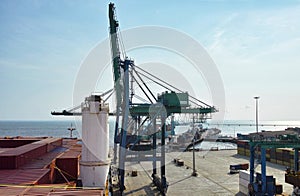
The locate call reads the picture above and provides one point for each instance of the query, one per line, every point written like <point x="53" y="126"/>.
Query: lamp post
<point x="256" y="98"/>
<point x="194" y="166"/>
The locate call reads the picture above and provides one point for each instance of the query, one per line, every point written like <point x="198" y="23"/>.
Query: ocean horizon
<point x="59" y="128"/>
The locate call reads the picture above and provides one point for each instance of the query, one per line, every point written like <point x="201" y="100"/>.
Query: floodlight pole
<point x="194" y="169"/>
<point x="256" y="101"/>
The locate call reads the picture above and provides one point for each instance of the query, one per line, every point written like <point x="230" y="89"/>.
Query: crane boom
<point x="117" y="63"/>
<point x="121" y="79"/>
<point x="115" y="52"/>
<point x="114" y="41"/>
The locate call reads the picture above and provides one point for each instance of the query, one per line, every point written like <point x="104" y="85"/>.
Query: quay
<point x="213" y="175"/>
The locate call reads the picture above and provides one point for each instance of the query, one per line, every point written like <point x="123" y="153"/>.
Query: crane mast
<point x="122" y="94"/>
<point x="114" y="42"/>
<point x="115" y="52"/>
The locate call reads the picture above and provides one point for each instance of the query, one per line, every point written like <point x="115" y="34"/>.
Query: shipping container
<point x="247" y="152"/>
<point x="272" y="153"/>
<point x="241" y="151"/>
<point x="273" y="161"/>
<point x="238" y="167"/>
<point x="279" y="156"/>
<point x="292" y="165"/>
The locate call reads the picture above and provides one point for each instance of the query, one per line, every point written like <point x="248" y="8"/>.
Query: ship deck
<point x="29" y="166"/>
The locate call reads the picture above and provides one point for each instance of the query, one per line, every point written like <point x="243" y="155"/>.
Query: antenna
<point x="71" y="129"/>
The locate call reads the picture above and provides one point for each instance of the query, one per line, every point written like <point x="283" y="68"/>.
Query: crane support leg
<point x="263" y="170"/>
<point x="172" y="126"/>
<point x="115" y="136"/>
<point x="154" y="148"/>
<point x="252" y="151"/>
<point x="163" y="155"/>
<point x="163" y="139"/>
<point x="296" y="159"/>
<point x="122" y="153"/>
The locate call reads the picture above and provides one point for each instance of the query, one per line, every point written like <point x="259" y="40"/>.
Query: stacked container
<point x="281" y="156"/>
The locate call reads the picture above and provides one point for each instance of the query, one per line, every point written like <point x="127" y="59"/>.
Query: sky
<point x="254" y="44"/>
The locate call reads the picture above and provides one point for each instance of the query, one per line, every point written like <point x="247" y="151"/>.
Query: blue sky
<point x="255" y="44"/>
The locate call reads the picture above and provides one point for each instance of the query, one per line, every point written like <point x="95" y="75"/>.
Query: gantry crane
<point x="264" y="185"/>
<point x="140" y="118"/>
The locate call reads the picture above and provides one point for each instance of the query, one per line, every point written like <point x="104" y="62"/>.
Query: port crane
<point x="135" y="120"/>
<point x="263" y="184"/>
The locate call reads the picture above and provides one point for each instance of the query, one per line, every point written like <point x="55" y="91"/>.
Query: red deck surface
<point x="35" y="173"/>
<point x="27" y="177"/>
<point x="13" y="190"/>
<point x="43" y="161"/>
<point x="61" y="191"/>
<point x="48" y="189"/>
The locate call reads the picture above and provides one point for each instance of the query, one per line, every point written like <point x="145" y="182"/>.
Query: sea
<point x="58" y="128"/>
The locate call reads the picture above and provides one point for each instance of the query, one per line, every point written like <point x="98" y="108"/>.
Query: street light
<point x="194" y="166"/>
<point x="256" y="98"/>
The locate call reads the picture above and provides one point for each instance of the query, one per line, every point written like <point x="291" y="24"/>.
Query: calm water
<point x="60" y="128"/>
<point x="239" y="126"/>
<point x="232" y="127"/>
<point x="36" y="128"/>
<point x="44" y="128"/>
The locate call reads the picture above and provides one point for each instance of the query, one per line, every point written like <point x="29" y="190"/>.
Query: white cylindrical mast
<point x="94" y="164"/>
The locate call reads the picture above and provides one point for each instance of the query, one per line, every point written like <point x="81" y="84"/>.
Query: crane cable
<point x="143" y="83"/>
<point x="140" y="98"/>
<point x="142" y="89"/>
<point x="166" y="87"/>
<point x="171" y="86"/>
<point x="122" y="46"/>
<point x="123" y="51"/>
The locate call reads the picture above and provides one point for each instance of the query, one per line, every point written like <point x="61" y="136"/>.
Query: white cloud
<point x="258" y="53"/>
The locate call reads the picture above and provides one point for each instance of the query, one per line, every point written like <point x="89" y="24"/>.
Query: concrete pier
<point x="213" y="175"/>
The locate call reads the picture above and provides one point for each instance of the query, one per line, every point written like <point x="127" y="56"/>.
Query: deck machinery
<point x="263" y="184"/>
<point x="140" y="119"/>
